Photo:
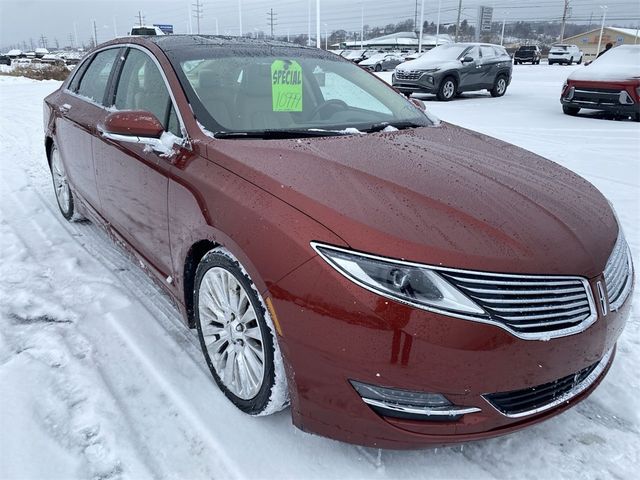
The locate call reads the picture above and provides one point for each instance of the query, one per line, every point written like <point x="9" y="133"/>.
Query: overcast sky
<point x="21" y="20"/>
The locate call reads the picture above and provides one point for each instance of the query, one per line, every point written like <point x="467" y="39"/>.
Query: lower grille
<point x="530" y="306"/>
<point x="530" y="401"/>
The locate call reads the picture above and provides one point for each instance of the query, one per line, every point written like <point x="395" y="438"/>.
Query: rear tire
<point x="571" y="111"/>
<point x="378" y="68"/>
<point x="580" y="61"/>
<point x="500" y="86"/>
<point x="448" y="89"/>
<point x="61" y="187"/>
<point x="237" y="336"/>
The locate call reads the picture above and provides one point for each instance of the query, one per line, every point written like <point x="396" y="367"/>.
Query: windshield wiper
<point x="281" y="134"/>
<point x="378" y="127"/>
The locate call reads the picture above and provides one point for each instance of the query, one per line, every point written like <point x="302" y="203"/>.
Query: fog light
<point x="398" y="403"/>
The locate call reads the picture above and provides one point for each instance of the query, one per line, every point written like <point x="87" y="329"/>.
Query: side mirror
<point x="133" y="123"/>
<point x="418" y="103"/>
<point x="468" y="59"/>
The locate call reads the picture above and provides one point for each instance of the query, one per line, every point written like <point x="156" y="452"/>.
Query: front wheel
<point x="237" y="336"/>
<point x="500" y="87"/>
<point x="569" y="110"/>
<point x="378" y="68"/>
<point x="571" y="61"/>
<point x="580" y="61"/>
<point x="448" y="89"/>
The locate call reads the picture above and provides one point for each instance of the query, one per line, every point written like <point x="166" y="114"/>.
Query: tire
<point x="447" y="89"/>
<point x="569" y="110"/>
<point x="61" y="187"/>
<point x="244" y="333"/>
<point x="551" y="63"/>
<point x="378" y="68"/>
<point x="499" y="87"/>
<point x="580" y="61"/>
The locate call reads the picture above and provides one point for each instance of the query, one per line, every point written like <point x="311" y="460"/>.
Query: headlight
<point x="405" y="282"/>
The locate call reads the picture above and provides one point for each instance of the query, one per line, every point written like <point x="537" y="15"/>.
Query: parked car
<point x="382" y="61"/>
<point x="528" y="54"/>
<point x="5" y="60"/>
<point x="565" y="54"/>
<point x="453" y="68"/>
<point x="419" y="284"/>
<point x="146" y="30"/>
<point x="610" y="83"/>
<point x="22" y="62"/>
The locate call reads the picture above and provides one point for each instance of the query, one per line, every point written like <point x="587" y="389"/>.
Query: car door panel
<point x="80" y="111"/>
<point x="132" y="178"/>
<point x="471" y="72"/>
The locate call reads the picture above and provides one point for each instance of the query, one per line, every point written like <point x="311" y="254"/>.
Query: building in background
<point x="588" y="41"/>
<point x="408" y="41"/>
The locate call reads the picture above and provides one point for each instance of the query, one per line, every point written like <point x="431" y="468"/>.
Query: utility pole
<point x="504" y="23"/>
<point x="272" y="17"/>
<point x="362" y="28"/>
<point x="564" y="19"/>
<point x="421" y="28"/>
<point x="140" y="22"/>
<point x="604" y="16"/>
<point x="71" y="44"/>
<point x="415" y="19"/>
<point x="458" y="21"/>
<point x="75" y="34"/>
<point x="309" y="25"/>
<point x="240" y="15"/>
<point x="438" y="25"/>
<point x="197" y="12"/>
<point x="95" y="33"/>
<point x="43" y="41"/>
<point x="115" y="27"/>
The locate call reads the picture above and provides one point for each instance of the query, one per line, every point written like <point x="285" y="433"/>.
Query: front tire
<point x="571" y="111"/>
<point x="378" y="68"/>
<point x="500" y="86"/>
<point x="237" y="336"/>
<point x="448" y="89"/>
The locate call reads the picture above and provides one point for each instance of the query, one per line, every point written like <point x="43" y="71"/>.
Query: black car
<point x="4" y="60"/>
<point x="528" y="53"/>
<point x="453" y="68"/>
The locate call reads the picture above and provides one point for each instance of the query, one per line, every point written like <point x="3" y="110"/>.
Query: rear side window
<point x="142" y="87"/>
<point x="488" y="53"/>
<point x="94" y="81"/>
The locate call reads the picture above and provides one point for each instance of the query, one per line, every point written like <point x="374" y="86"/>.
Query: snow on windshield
<point x="444" y="52"/>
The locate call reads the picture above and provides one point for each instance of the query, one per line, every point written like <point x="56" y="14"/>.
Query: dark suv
<point x="451" y="69"/>
<point x="528" y="53"/>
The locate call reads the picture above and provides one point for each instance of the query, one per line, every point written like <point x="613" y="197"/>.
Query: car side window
<point x="142" y="87"/>
<point x="94" y="81"/>
<point x="173" y="124"/>
<point x="488" y="53"/>
<point x="473" y="53"/>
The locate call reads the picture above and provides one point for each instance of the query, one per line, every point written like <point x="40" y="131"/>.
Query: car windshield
<point x="444" y="52"/>
<point x="527" y="49"/>
<point x="559" y="47"/>
<point x="296" y="92"/>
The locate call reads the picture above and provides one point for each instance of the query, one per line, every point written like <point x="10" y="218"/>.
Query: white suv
<point x="565" y="54"/>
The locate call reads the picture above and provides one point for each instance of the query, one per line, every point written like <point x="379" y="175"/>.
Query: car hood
<point x="606" y="73"/>
<point x="425" y="64"/>
<point x="371" y="61"/>
<point x="441" y="196"/>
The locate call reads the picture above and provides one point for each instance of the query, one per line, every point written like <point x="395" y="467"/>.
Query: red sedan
<point x="611" y="83"/>
<point x="398" y="281"/>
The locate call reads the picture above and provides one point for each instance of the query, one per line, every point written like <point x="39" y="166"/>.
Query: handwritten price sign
<point x="286" y="86"/>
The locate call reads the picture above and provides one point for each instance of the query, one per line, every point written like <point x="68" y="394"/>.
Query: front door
<point x="132" y="178"/>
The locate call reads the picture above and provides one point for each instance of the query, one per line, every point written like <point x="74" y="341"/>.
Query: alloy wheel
<point x="501" y="86"/>
<point x="60" y="182"/>
<point x="232" y="333"/>
<point x="449" y="89"/>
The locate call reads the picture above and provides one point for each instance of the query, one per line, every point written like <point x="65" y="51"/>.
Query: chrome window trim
<point x="427" y="411"/>
<point x="575" y="391"/>
<point x="541" y="336"/>
<point x="164" y="78"/>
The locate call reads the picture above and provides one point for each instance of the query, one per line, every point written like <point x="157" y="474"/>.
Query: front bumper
<point x="617" y="99"/>
<point x="348" y="333"/>
<point x="426" y="82"/>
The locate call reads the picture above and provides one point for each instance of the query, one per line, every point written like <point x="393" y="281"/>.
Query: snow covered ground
<point x="99" y="379"/>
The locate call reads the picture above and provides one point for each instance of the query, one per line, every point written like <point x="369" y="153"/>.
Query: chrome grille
<point x="408" y="74"/>
<point x="530" y="306"/>
<point x="617" y="274"/>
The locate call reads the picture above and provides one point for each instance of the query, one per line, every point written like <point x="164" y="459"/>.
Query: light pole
<point x="326" y="37"/>
<point x="504" y="22"/>
<point x="604" y="16"/>
<point x="362" y="28"/>
<point x="421" y="27"/>
<point x="240" y="15"/>
<point x="438" y="25"/>
<point x="318" y="40"/>
<point x="216" y="20"/>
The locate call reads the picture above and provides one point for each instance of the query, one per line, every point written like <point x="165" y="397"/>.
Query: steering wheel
<point x="332" y="104"/>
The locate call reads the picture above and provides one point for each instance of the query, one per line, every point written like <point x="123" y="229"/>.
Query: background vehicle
<point x="4" y="60"/>
<point x="526" y="54"/>
<point x="146" y="30"/>
<point x="451" y="69"/>
<point x="382" y="61"/>
<point x="610" y="83"/>
<point x="565" y="54"/>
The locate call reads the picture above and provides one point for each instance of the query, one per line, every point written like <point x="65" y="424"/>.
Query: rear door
<point x="81" y="110"/>
<point x="132" y="178"/>
<point x="490" y="62"/>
